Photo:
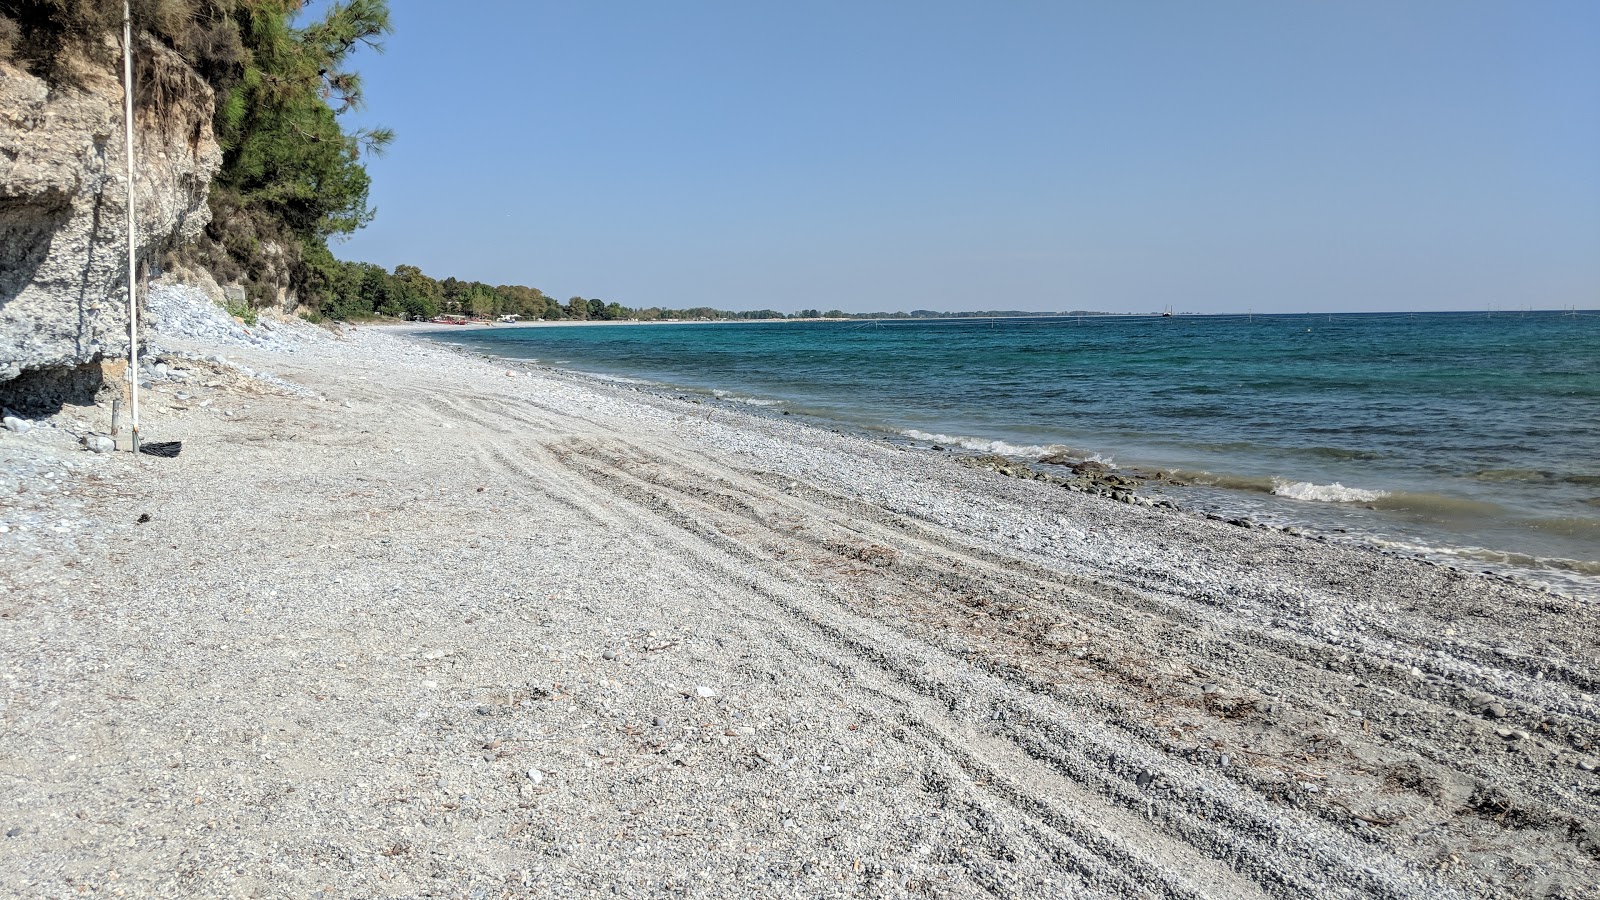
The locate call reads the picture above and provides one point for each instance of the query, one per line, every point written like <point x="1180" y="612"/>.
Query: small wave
<point x="1324" y="493"/>
<point x="616" y="379"/>
<point x="1523" y="561"/>
<point x="1568" y="526"/>
<point x="1440" y="506"/>
<point x="731" y="397"/>
<point x="997" y="447"/>
<point x="1230" y="482"/>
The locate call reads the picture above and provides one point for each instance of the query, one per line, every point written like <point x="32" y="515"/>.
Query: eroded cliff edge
<point x="63" y="211"/>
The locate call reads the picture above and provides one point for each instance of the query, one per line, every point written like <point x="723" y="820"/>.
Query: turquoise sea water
<point x="1469" y="437"/>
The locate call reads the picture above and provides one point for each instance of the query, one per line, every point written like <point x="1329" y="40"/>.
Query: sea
<point x="1472" y="439"/>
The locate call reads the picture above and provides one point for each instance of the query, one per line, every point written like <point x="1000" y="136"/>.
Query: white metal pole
<point x="133" y="288"/>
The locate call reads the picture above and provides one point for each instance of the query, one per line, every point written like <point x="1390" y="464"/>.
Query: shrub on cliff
<point x="291" y="176"/>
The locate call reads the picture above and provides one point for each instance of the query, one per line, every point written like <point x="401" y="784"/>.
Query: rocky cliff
<point x="63" y="210"/>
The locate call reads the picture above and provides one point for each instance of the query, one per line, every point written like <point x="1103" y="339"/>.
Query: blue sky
<point x="1132" y="156"/>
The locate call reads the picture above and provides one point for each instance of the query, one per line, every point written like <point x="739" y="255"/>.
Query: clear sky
<point x="866" y="155"/>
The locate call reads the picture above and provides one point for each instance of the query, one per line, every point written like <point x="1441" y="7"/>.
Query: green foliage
<point x="49" y="36"/>
<point x="355" y="290"/>
<point x="283" y="149"/>
<point x="291" y="176"/>
<point x="242" y="311"/>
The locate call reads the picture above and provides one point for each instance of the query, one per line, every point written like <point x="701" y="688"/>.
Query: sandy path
<point x="347" y="634"/>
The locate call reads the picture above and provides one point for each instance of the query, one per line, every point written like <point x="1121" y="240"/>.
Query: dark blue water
<point x="1466" y="435"/>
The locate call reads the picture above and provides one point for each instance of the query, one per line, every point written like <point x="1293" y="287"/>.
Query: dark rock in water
<point x="1057" y="459"/>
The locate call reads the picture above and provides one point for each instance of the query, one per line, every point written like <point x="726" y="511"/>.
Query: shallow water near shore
<point x="1472" y="438"/>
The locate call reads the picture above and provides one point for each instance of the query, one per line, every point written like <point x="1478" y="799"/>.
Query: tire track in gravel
<point x="1109" y="605"/>
<point x="1075" y="807"/>
<point x="1085" y="844"/>
<point x="1339" y="814"/>
<point x="1391" y="681"/>
<point x="931" y="556"/>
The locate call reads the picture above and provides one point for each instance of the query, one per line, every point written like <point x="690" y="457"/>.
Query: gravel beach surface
<point x="401" y="621"/>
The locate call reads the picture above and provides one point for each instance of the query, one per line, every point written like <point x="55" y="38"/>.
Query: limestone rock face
<point x="63" y="203"/>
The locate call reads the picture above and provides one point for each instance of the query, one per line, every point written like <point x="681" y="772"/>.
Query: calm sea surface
<point x="1472" y="438"/>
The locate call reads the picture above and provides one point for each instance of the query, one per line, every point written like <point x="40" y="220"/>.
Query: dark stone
<point x="42" y="392"/>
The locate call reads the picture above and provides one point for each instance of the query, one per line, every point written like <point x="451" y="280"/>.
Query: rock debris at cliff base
<point x="420" y="627"/>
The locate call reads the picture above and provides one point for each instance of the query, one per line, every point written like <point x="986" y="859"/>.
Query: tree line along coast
<point x="358" y="290"/>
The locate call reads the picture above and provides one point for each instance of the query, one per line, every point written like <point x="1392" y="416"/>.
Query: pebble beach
<point x="402" y="620"/>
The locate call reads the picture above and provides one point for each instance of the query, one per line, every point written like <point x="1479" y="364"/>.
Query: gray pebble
<point x="1496" y="711"/>
<point x="98" y="443"/>
<point x="609" y="654"/>
<point x="20" y="426"/>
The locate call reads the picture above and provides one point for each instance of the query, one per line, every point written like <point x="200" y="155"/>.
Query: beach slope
<point x="402" y="621"/>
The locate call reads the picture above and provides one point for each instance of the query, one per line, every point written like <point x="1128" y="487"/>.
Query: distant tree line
<point x="355" y="290"/>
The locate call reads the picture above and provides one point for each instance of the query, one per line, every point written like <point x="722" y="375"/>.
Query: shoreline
<point x="1195" y="494"/>
<point x="743" y="656"/>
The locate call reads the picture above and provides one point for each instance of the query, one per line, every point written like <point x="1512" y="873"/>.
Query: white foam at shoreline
<point x="1324" y="493"/>
<point x="750" y="401"/>
<point x="616" y="379"/>
<point x="998" y="447"/>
